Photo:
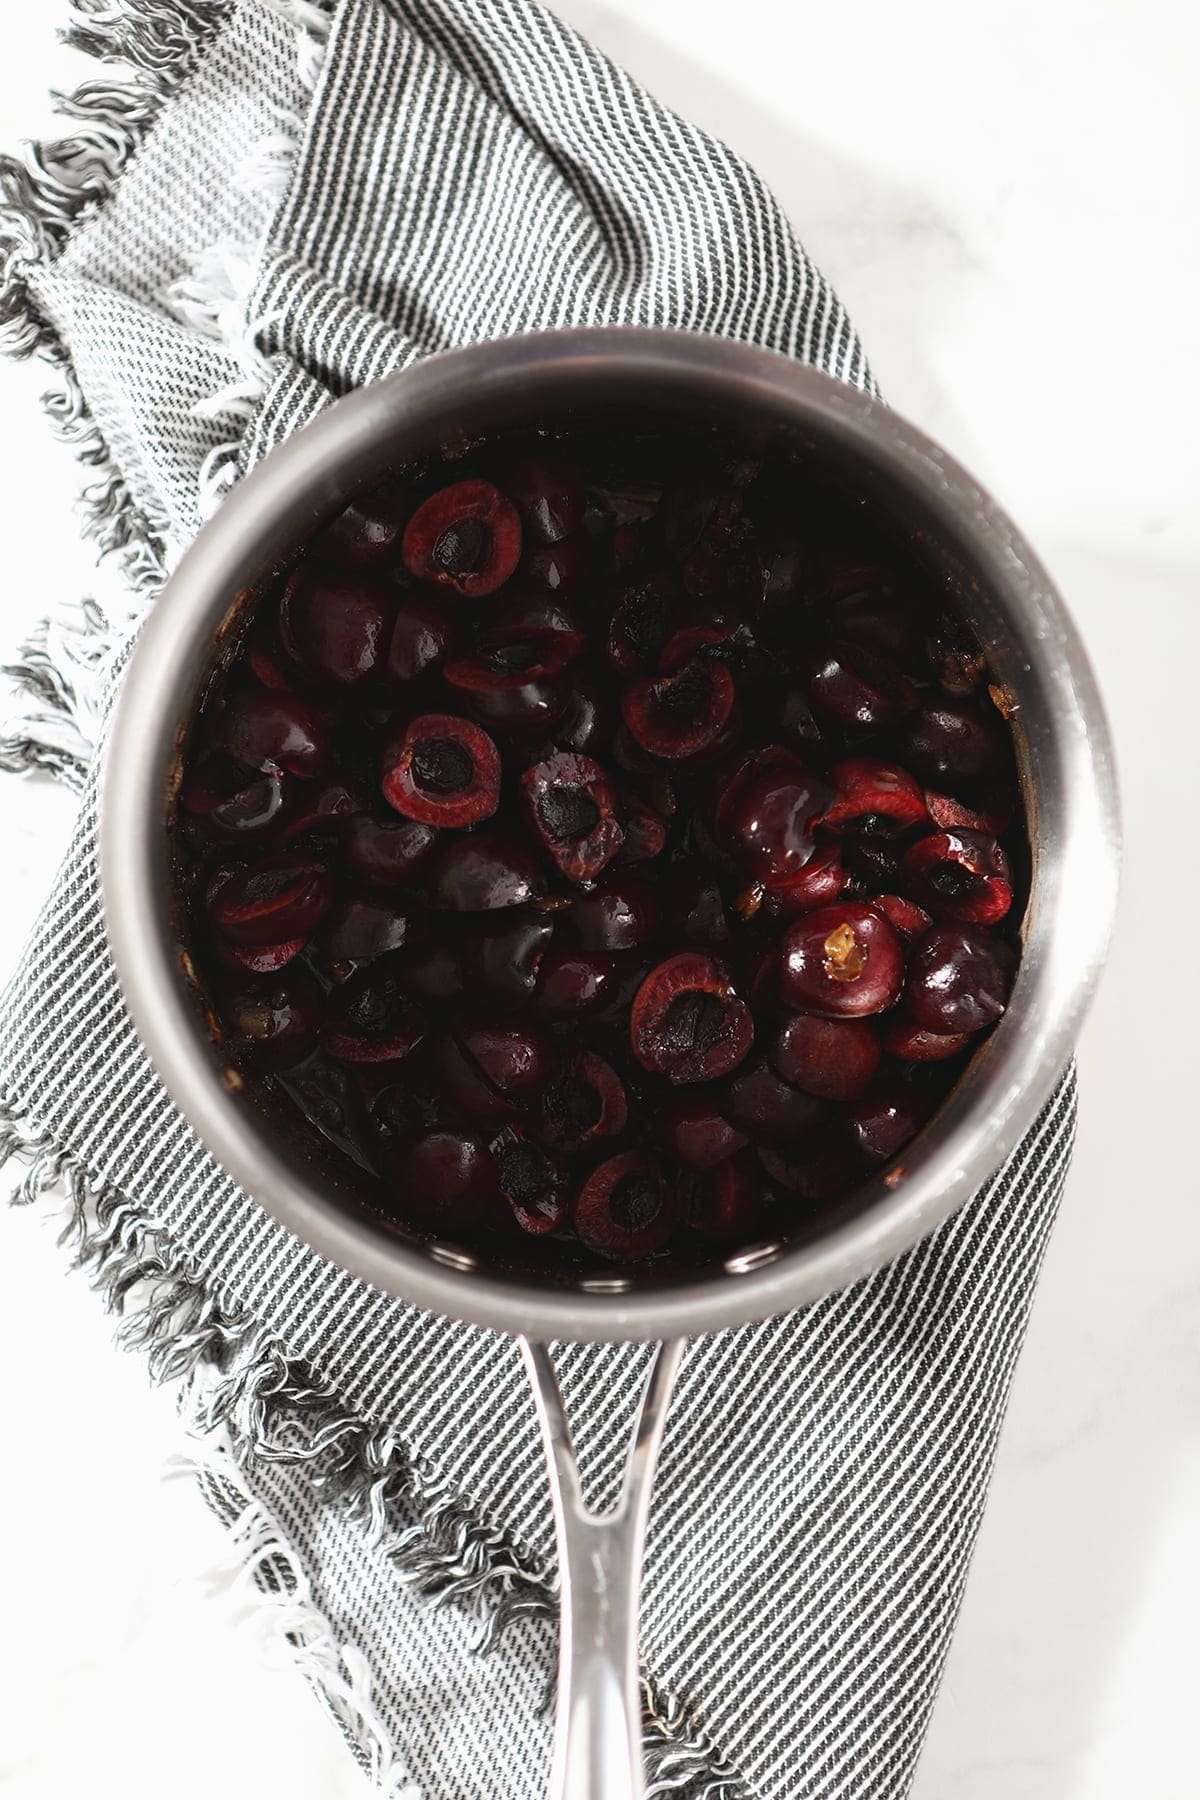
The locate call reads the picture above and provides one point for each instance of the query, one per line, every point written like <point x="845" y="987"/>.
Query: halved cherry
<point x="387" y="854"/>
<point x="588" y="715"/>
<point x="273" y="1021"/>
<point x="731" y="779"/>
<point x="257" y="959"/>
<point x="688" y="1022"/>
<point x="444" y="1179"/>
<point x="485" y="871"/>
<point x="235" y="802"/>
<point x="366" y="534"/>
<point x="444" y="771"/>
<point x="520" y="686"/>
<point x="768" y="822"/>
<point x="535" y="1185"/>
<point x="886" y="1119"/>
<point x="492" y="1067"/>
<point x="878" y="618"/>
<point x="336" y="625"/>
<point x="873" y="796"/>
<point x="909" y="919"/>
<point x="642" y="621"/>
<point x="959" y="875"/>
<point x="822" y="1166"/>
<point x="521" y="617"/>
<point x="571" y="805"/>
<point x="425" y="635"/>
<point x="272" y="900"/>
<point x="704" y="639"/>
<point x="819" y="882"/>
<point x="625" y="1209"/>
<point x="697" y="1132"/>
<point x="362" y="926"/>
<point x="583" y="1101"/>
<point x="993" y="814"/>
<point x="764" y="1105"/>
<point x="434" y="970"/>
<point x="548" y="494"/>
<point x="835" y="1059"/>
<point x="276" y="732"/>
<point x="951" y="743"/>
<point x="911" y="1042"/>
<point x="645" y="831"/>
<point x="678" y="716"/>
<point x="857" y="690"/>
<point x="559" y="568"/>
<point x="958" y="979"/>
<point x="723" y="1203"/>
<point x="371" y="1018"/>
<point x="843" y="960"/>
<point x="466" y="538"/>
<point x="619" y="913"/>
<point x="324" y="806"/>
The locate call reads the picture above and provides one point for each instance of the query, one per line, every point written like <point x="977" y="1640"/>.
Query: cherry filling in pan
<point x="607" y="848"/>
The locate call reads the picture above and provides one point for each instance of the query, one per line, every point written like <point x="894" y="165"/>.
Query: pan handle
<point x="598" y="1729"/>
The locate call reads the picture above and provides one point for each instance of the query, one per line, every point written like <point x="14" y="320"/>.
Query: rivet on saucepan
<point x="605" y="1284"/>
<point x="754" y="1258"/>
<point x="451" y="1257"/>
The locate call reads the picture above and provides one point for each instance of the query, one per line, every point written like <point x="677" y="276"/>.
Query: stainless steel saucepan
<point x="655" y="380"/>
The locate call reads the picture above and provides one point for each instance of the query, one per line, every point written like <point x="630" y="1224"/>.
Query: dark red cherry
<point x="723" y="1203"/>
<point x="326" y="806"/>
<point x="273" y="1021"/>
<point x="434" y="971"/>
<point x="571" y="806"/>
<point x="763" y="1105"/>
<point x="872" y="861"/>
<point x="275" y="732"/>
<point x="959" y="876"/>
<point x="583" y="1101"/>
<point x="528" y="617"/>
<point x="688" y="1022"/>
<point x="688" y="507"/>
<point x="842" y="960"/>
<point x="873" y="796"/>
<point x="559" y="568"/>
<point x="678" y="716"/>
<point x="504" y="954"/>
<point x="877" y="618"/>
<point x="485" y="871"/>
<point x="336" y="625"/>
<point x="909" y="919"/>
<point x="574" y="982"/>
<point x="236" y="803"/>
<point x="276" y="898"/>
<point x="886" y="1119"/>
<point x="548" y="494"/>
<point x="645" y="831"/>
<point x="466" y="538"/>
<point x="819" y="882"/>
<point x="856" y="690"/>
<point x="823" y="1166"/>
<point x="534" y="1183"/>
<point x="642" y="621"/>
<point x="588" y="716"/>
<point x="366" y="534"/>
<point x="696" y="1131"/>
<point x="619" y="913"/>
<point x="949" y="743"/>
<point x="520" y="686"/>
<point x="912" y="1043"/>
<point x="443" y="771"/>
<point x="371" y="1018"/>
<point x="695" y="909"/>
<point x="625" y="1210"/>
<point x="258" y="959"/>
<point x="768" y="823"/>
<point x="958" y="979"/>
<point x="443" y="1180"/>
<point x="993" y="814"/>
<point x="386" y="855"/>
<point x="835" y="1059"/>
<point x="492" y="1067"/>
<point x="361" y="926"/>
<point x="425" y="635"/>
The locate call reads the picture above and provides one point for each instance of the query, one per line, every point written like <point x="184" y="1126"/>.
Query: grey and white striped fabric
<point x="328" y="194"/>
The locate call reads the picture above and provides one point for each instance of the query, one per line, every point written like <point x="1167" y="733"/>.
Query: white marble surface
<point x="1006" y="199"/>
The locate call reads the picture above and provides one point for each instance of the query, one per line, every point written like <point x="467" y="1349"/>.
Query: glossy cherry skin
<point x="583" y="1101"/>
<point x="336" y="625"/>
<point x="444" y="1179"/>
<point x="547" y="492"/>
<point x="835" y="1059"/>
<point x="484" y="872"/>
<point x="425" y="635"/>
<point x="723" y="1202"/>
<point x="570" y="804"/>
<point x="769" y="823"/>
<point x="688" y="1022"/>
<point x="886" y="1119"/>
<point x="362" y="926"/>
<point x="619" y="913"/>
<point x="857" y="690"/>
<point x="843" y="961"/>
<point x="572" y="982"/>
<point x="696" y="1132"/>
<point x="873" y="796"/>
<point x="764" y="1106"/>
<point x="237" y="804"/>
<point x="366" y="534"/>
<point x="278" y="897"/>
<point x="387" y="854"/>
<point x="371" y="1018"/>
<point x="625" y="1209"/>
<point x="504" y="954"/>
<point x="493" y="1067"/>
<point x="949" y="743"/>
<point x="910" y="1042"/>
<point x="275" y="732"/>
<point x="959" y="876"/>
<point x="274" y="1019"/>
<point x="535" y="1184"/>
<point x="958" y="979"/>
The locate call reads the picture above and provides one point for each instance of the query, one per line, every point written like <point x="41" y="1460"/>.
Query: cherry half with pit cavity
<point x="444" y="771"/>
<point x="688" y="1021"/>
<point x="465" y="538"/>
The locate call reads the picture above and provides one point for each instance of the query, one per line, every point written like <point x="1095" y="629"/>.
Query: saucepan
<point x="659" y="380"/>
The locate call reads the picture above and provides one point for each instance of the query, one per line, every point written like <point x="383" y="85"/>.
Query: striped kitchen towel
<point x="265" y="205"/>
